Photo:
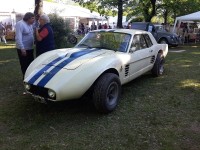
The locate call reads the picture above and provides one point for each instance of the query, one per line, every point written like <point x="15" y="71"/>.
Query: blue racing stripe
<point x="40" y="72"/>
<point x="55" y="70"/>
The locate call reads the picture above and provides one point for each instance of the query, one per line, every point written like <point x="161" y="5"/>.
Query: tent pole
<point x="174" y="26"/>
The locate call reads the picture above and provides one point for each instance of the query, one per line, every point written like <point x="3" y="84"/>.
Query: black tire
<point x="72" y="39"/>
<point x="107" y="92"/>
<point x="158" y="67"/>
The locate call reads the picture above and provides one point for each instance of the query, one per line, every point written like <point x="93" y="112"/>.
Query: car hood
<point x="74" y="58"/>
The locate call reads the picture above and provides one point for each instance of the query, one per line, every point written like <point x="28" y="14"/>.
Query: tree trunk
<point x="165" y="16"/>
<point x="120" y="14"/>
<point x="149" y="10"/>
<point x="38" y="7"/>
<point x="153" y="11"/>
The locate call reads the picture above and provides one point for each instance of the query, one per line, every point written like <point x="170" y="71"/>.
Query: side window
<point x="136" y="42"/>
<point x="143" y="43"/>
<point x="150" y="28"/>
<point x="148" y="40"/>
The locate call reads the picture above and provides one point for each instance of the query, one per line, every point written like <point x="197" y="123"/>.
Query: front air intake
<point x="152" y="59"/>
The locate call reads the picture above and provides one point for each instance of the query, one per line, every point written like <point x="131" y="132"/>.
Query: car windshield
<point x="115" y="41"/>
<point x="160" y="28"/>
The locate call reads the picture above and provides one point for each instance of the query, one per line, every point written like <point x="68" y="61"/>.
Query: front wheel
<point x="107" y="91"/>
<point x="158" y="67"/>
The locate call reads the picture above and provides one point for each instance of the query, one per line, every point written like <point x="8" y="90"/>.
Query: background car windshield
<point x="139" y="26"/>
<point x="160" y="28"/>
<point x="106" y="40"/>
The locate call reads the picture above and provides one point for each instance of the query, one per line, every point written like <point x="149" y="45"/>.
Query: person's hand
<point x="23" y="52"/>
<point x="36" y="29"/>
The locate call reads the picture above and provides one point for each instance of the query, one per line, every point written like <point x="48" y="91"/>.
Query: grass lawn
<point x="153" y="114"/>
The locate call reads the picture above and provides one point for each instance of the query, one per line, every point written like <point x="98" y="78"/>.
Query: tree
<point x="173" y="8"/>
<point x="109" y="7"/>
<point x="38" y="7"/>
<point x="147" y="9"/>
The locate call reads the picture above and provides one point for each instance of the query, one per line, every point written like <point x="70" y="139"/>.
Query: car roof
<point x="128" y="31"/>
<point x="158" y="25"/>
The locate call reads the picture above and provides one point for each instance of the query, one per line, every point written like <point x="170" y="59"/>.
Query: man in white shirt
<point x="24" y="41"/>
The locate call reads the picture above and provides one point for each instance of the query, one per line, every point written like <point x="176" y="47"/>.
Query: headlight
<point x="172" y="37"/>
<point x="51" y="93"/>
<point x="27" y="86"/>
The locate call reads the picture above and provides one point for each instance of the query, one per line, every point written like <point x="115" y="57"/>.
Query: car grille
<point x="36" y="90"/>
<point x="152" y="59"/>
<point x="126" y="70"/>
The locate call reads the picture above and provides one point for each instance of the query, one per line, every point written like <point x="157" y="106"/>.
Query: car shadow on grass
<point x="84" y="105"/>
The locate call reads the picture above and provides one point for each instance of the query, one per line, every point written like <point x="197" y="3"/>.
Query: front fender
<point x="72" y="84"/>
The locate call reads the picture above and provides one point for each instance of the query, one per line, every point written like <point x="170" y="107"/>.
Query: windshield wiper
<point x="103" y="47"/>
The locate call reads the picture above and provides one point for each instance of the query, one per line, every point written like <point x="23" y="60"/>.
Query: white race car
<point x="101" y="62"/>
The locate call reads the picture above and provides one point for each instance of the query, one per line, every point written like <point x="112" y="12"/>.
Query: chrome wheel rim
<point x="163" y="42"/>
<point x="161" y="68"/>
<point x="112" y="93"/>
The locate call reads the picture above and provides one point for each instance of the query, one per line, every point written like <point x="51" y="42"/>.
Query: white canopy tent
<point x="70" y="11"/>
<point x="10" y="9"/>
<point x="189" y="17"/>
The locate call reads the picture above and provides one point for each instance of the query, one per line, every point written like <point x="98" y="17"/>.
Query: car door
<point x="141" y="55"/>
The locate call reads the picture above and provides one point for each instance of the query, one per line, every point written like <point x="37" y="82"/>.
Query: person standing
<point x="93" y="26"/>
<point x="24" y="41"/>
<point x="113" y="25"/>
<point x="2" y="33"/>
<point x="44" y="36"/>
<point x="105" y="26"/>
<point x="100" y="26"/>
<point x="87" y="28"/>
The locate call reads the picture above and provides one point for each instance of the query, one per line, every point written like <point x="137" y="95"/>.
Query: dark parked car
<point x="161" y="35"/>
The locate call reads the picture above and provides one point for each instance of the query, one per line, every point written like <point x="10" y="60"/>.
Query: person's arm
<point x="40" y="36"/>
<point x="18" y="38"/>
<point x="4" y="30"/>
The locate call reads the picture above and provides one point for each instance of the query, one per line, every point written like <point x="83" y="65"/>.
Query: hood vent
<point x="126" y="70"/>
<point x="153" y="59"/>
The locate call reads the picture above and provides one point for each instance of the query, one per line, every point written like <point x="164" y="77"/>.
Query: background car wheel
<point x="72" y="39"/>
<point x="107" y="91"/>
<point x="163" y="41"/>
<point x="158" y="67"/>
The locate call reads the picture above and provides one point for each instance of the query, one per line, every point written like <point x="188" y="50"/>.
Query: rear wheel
<point x="107" y="91"/>
<point x="158" y="67"/>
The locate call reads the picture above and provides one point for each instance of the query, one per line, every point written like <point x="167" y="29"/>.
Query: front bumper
<point x="175" y="41"/>
<point x="40" y="94"/>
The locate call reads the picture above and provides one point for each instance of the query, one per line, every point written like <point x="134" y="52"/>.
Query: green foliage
<point x="165" y="9"/>
<point x="146" y="8"/>
<point x="61" y="30"/>
<point x="138" y="19"/>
